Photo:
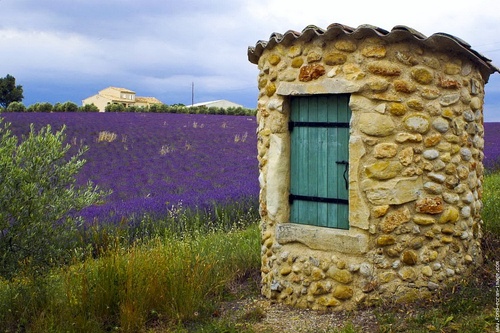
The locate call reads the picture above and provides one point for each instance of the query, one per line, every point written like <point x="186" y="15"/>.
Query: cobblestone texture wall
<point x="416" y="151"/>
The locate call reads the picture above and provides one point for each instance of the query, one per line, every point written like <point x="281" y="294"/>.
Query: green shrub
<point x="40" y="107"/>
<point x="38" y="200"/>
<point x="16" y="107"/>
<point x="88" y="108"/>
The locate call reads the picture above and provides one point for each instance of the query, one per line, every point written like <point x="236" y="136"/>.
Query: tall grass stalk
<point x="491" y="203"/>
<point x="169" y="279"/>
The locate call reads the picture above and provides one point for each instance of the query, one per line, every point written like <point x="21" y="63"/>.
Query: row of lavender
<point x="155" y="161"/>
<point x="152" y="162"/>
<point x="492" y="146"/>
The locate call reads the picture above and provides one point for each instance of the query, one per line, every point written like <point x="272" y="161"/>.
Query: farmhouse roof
<point x="217" y="103"/>
<point x="150" y="100"/>
<point x="437" y="41"/>
<point x="125" y="90"/>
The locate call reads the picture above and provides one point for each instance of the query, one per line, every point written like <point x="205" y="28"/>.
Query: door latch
<point x="346" y="169"/>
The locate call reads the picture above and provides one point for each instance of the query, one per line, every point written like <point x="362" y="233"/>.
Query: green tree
<point x="70" y="107"/>
<point x="16" y="107"/>
<point x="88" y="108"/>
<point x="39" y="200"/>
<point x="9" y="92"/>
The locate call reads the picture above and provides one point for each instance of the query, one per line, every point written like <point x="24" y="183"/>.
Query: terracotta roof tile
<point x="437" y="41"/>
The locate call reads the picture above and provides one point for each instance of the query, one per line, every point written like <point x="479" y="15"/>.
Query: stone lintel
<point x="324" y="239"/>
<point x="328" y="86"/>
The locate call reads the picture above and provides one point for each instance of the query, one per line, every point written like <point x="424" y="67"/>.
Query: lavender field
<point x="153" y="162"/>
<point x="492" y="146"/>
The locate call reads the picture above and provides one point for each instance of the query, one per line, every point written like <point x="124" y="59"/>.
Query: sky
<point x="68" y="50"/>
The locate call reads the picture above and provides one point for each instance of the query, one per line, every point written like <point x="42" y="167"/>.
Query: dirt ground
<point x="263" y="315"/>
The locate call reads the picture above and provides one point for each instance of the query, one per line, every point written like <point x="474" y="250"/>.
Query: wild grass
<point x="169" y="280"/>
<point x="106" y="136"/>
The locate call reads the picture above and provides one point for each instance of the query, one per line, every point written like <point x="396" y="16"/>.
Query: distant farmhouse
<point x="114" y="95"/>
<point x="221" y="103"/>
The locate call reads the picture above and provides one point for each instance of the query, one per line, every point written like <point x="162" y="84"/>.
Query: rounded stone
<point x="451" y="198"/>
<point x="417" y="242"/>
<point x="294" y="50"/>
<point x="432" y="286"/>
<point x="427" y="271"/>
<point x="274" y="59"/>
<point x="314" y="56"/>
<point x="422" y="75"/>
<point x="395" y="219"/>
<point x="450" y="214"/>
<point x="374" y="51"/>
<point x="406" y="156"/>
<point x="366" y="269"/>
<point x="297" y="62"/>
<point x="379" y="211"/>
<point x="437" y="177"/>
<point x="447" y="239"/>
<point x="407" y="274"/>
<point x="449" y="99"/>
<point x="433" y="188"/>
<point x="328" y="301"/>
<point x="384" y="150"/>
<point x="465" y="211"/>
<point x="431" y="154"/>
<point x="423" y="220"/>
<point x="270" y="89"/>
<point x="441" y="125"/>
<point x="387" y="277"/>
<point x="430" y="93"/>
<point x="436" y="266"/>
<point x="317" y="274"/>
<point x="417" y="123"/>
<point x="409" y="257"/>
<point x="386" y="240"/>
<point x="469" y="116"/>
<point x="376" y="124"/>
<point x="341" y="275"/>
<point x="332" y="59"/>
<point x="397" y="109"/>
<point x="383" y="170"/>
<point x="384" y="68"/>
<point x="475" y="103"/>
<point x="430" y="205"/>
<point x="432" y="140"/>
<point x="345" y="45"/>
<point x="286" y="270"/>
<point x="465" y="153"/>
<point x="404" y="86"/>
<point x="448" y="230"/>
<point x="342" y="292"/>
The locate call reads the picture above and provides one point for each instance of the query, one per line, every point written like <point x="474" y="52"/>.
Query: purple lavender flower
<point x="152" y="161"/>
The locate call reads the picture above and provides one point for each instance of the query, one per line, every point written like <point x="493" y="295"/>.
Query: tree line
<point x="11" y="96"/>
<point x="155" y="108"/>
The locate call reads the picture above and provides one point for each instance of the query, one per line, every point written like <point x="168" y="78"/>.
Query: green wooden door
<point x="319" y="131"/>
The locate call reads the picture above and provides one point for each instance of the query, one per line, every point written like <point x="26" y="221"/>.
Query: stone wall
<point x="415" y="177"/>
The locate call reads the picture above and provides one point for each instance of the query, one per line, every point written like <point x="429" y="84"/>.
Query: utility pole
<point x="192" y="93"/>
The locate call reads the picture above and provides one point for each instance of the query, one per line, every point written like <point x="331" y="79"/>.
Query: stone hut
<point x="370" y="149"/>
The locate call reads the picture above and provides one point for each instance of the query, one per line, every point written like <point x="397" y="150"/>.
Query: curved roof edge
<point x="437" y="41"/>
